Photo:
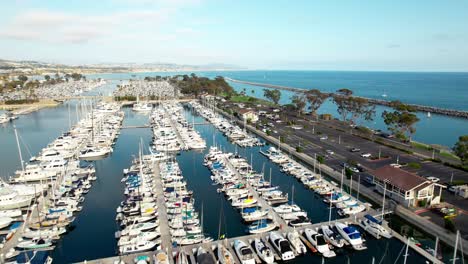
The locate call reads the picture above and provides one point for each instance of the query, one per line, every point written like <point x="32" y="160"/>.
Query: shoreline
<point x="419" y="108"/>
<point x="23" y="109"/>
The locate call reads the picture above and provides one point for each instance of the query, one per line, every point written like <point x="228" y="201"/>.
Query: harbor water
<point x="92" y="235"/>
<point x="444" y="90"/>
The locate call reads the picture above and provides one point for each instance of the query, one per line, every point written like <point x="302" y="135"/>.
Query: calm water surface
<point x="94" y="227"/>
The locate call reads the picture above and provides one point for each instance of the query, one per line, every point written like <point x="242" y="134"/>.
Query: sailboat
<point x="384" y="94"/>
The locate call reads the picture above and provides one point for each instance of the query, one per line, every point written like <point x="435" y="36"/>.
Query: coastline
<point x="419" y="108"/>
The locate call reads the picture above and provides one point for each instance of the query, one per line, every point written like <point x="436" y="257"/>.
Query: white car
<point x="323" y="137"/>
<point x="366" y="155"/>
<point x="433" y="179"/>
<point x="394" y="165"/>
<point x="329" y="151"/>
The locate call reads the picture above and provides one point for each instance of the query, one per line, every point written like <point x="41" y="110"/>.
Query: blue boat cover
<point x="372" y="219"/>
<point x="249" y="210"/>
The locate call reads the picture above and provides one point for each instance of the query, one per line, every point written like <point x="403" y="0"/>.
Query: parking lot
<point x="318" y="138"/>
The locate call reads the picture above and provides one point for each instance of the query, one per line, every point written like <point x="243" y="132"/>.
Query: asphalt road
<point x="309" y="138"/>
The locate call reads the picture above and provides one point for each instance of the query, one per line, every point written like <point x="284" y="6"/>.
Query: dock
<point x="166" y="238"/>
<point x="261" y="202"/>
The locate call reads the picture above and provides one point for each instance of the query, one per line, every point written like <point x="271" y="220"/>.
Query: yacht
<point x="224" y="255"/>
<point x="261" y="226"/>
<point x="244" y="252"/>
<point x="263" y="251"/>
<point x="11" y="199"/>
<point x="142" y="107"/>
<point x="374" y="227"/>
<point x="4" y="119"/>
<point x="332" y="237"/>
<point x="352" y="235"/>
<point x="318" y="241"/>
<point x="282" y="246"/>
<point x="296" y="242"/>
<point x="92" y="153"/>
<point x="204" y="257"/>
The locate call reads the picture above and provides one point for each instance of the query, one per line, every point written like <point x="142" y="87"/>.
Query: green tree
<point x="344" y="92"/>
<point x="361" y="108"/>
<point x="47" y="78"/>
<point x="315" y="99"/>
<point x="299" y="102"/>
<point x="461" y="149"/>
<point x="272" y="95"/>
<point x="343" y="105"/>
<point x="400" y="123"/>
<point x="23" y="78"/>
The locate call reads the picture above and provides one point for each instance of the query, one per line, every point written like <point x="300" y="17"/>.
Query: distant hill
<point x="38" y="67"/>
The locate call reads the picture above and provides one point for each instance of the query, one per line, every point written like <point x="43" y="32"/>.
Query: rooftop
<point x="400" y="178"/>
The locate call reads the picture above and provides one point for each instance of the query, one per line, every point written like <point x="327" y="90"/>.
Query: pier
<point x="420" y="108"/>
<point x="166" y="238"/>
<point x="276" y="217"/>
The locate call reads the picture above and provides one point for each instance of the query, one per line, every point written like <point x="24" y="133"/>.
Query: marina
<point x="290" y="184"/>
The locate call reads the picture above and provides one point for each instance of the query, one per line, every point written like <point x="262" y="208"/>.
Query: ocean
<point x="445" y="90"/>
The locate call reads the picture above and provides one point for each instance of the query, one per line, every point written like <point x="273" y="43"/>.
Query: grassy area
<point x="248" y="99"/>
<point x="449" y="155"/>
<point x="420" y="145"/>
<point x="414" y="165"/>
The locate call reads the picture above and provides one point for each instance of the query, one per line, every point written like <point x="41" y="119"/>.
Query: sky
<point x="397" y="35"/>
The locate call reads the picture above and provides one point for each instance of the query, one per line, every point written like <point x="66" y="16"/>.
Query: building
<point x="248" y="115"/>
<point x="461" y="190"/>
<point x="405" y="187"/>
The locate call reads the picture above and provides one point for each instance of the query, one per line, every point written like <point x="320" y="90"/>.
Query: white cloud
<point x="61" y="27"/>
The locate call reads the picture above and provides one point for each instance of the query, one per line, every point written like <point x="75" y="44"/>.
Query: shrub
<point x="449" y="225"/>
<point x="299" y="149"/>
<point x="414" y="165"/>
<point x="320" y="159"/>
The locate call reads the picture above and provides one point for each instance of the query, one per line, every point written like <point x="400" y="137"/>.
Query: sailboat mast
<point x="19" y="148"/>
<point x="454" y="260"/>
<point x="406" y="251"/>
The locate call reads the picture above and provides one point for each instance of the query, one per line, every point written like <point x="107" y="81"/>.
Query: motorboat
<point x="318" y="241"/>
<point x="161" y="257"/>
<point x="332" y="237"/>
<point x="351" y="234"/>
<point x="203" y="257"/>
<point x="282" y="246"/>
<point x="142" y="107"/>
<point x="44" y="233"/>
<point x="36" y="243"/>
<point x="296" y="242"/>
<point x="139" y="246"/>
<point x="224" y="255"/>
<point x="11" y="213"/>
<point x="300" y="221"/>
<point x="261" y="226"/>
<point x="5" y="221"/>
<point x="244" y="253"/>
<point x="374" y="227"/>
<point x="264" y="252"/>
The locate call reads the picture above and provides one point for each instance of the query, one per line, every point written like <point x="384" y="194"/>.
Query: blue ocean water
<point x="445" y="90"/>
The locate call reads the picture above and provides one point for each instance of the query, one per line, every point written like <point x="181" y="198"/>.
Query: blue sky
<point x="317" y="35"/>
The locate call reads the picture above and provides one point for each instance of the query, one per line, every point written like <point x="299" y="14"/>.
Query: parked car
<point x="324" y="137"/>
<point x="366" y="155"/>
<point x="433" y="179"/>
<point x="329" y="151"/>
<point x="395" y="165"/>
<point x="355" y="150"/>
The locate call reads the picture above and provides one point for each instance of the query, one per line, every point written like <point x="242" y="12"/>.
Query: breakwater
<point x="420" y="108"/>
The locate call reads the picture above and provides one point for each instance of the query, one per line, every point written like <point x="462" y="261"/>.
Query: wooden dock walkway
<point x="166" y="238"/>
<point x="260" y="201"/>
